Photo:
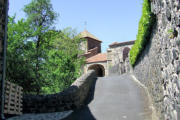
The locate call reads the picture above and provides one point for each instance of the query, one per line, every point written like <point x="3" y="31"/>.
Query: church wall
<point x="94" y="43"/>
<point x="91" y="53"/>
<point x="83" y="46"/>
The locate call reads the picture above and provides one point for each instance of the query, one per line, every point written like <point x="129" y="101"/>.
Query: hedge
<point x="144" y="31"/>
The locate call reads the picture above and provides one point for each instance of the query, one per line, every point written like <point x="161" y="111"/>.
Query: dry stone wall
<point x="159" y="65"/>
<point x="72" y="98"/>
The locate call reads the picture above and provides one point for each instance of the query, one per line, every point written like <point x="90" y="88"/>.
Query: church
<point x="115" y="60"/>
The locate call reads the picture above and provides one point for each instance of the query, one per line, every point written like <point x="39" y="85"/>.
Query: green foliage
<point x="63" y="63"/>
<point x="170" y="31"/>
<point x="40" y="59"/>
<point x="40" y="17"/>
<point x="20" y="52"/>
<point x="144" y="31"/>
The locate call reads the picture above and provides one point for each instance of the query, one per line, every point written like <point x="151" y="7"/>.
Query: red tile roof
<point x="101" y="57"/>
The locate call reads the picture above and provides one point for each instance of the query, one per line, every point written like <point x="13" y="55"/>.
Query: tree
<point x="63" y="64"/>
<point x="20" y="67"/>
<point x="39" y="58"/>
<point x="40" y="17"/>
<point x="60" y="63"/>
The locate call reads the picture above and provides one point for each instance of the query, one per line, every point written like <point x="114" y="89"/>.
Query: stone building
<point x="115" y="60"/>
<point x="117" y="57"/>
<point x="94" y="58"/>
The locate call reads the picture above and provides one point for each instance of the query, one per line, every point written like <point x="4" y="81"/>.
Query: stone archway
<point x="100" y="70"/>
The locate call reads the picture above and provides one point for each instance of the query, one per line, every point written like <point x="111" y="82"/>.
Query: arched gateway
<point x="100" y="70"/>
<point x="103" y="63"/>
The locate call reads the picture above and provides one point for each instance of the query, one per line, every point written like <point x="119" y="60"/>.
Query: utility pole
<point x="3" y="45"/>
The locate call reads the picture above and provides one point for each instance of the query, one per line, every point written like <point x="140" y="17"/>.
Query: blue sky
<point x="109" y="20"/>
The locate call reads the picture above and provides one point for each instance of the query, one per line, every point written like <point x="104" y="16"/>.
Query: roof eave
<point x="93" y="39"/>
<point x="96" y="61"/>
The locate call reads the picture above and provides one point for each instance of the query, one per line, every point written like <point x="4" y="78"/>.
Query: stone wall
<point x="91" y="52"/>
<point x="83" y="46"/>
<point x="89" y="44"/>
<point x="120" y="68"/>
<point x="94" y="43"/>
<point x="3" y="5"/>
<point x="2" y="28"/>
<point x="159" y="65"/>
<point x="117" y="64"/>
<point x="71" y="98"/>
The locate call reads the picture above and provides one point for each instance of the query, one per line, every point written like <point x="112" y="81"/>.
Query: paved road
<point x="115" y="98"/>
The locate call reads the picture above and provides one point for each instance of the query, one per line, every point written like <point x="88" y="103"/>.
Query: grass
<point x="144" y="31"/>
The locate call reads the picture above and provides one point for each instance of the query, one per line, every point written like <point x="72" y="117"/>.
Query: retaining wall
<point x="159" y="65"/>
<point x="69" y="99"/>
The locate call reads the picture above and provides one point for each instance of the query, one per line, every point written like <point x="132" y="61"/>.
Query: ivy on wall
<point x="144" y="31"/>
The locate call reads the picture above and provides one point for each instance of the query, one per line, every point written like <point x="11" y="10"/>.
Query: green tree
<point x="39" y="58"/>
<point x="40" y="17"/>
<point x="20" y="65"/>
<point x="60" y="65"/>
<point x="63" y="64"/>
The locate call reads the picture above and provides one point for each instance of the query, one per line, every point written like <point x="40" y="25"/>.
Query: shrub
<point x="144" y="31"/>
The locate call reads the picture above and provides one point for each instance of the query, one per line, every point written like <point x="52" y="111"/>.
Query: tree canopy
<point x="40" y="58"/>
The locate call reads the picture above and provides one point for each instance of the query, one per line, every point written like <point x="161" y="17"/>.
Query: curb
<point x="154" y="115"/>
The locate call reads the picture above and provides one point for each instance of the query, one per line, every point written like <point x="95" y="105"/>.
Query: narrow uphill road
<point x="115" y="98"/>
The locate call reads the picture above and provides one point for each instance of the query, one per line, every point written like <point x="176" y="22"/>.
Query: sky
<point x="108" y="20"/>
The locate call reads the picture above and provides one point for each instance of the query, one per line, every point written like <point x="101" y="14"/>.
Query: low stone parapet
<point x="69" y="99"/>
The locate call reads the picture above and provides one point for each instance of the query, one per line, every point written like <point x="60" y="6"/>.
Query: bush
<point x="144" y="31"/>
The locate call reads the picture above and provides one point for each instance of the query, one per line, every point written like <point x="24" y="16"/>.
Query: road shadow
<point x="84" y="113"/>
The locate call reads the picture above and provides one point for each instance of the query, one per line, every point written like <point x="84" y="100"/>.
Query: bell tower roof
<point x="86" y="34"/>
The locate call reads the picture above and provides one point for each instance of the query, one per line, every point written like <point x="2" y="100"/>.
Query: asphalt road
<point x="115" y="98"/>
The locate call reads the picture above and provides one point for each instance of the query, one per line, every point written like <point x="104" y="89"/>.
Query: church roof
<point x="86" y="34"/>
<point x="101" y="57"/>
